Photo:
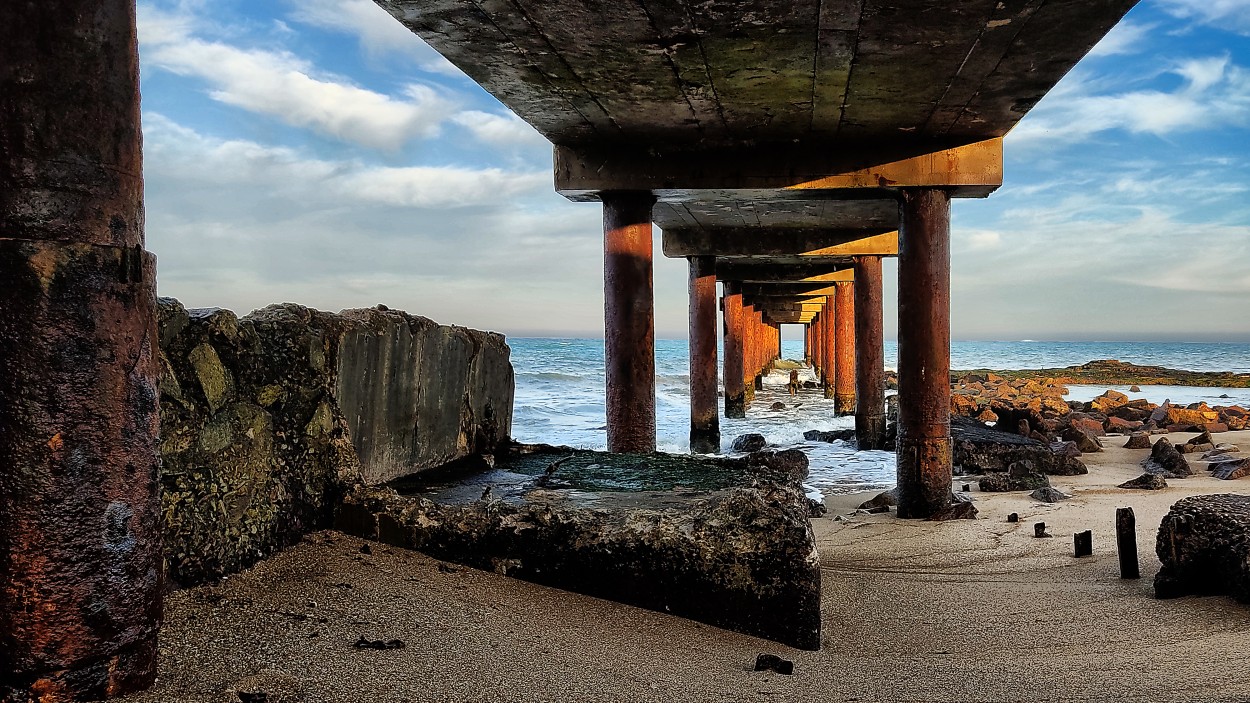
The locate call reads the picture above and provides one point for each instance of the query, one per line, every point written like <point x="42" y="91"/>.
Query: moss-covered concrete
<point x="266" y="421"/>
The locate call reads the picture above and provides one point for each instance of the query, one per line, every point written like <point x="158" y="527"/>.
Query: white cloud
<point x="285" y="87"/>
<point x="376" y="30"/>
<point x="980" y="240"/>
<point x="1126" y="37"/>
<point x="1231" y="15"/>
<point x="500" y="130"/>
<point x="175" y="151"/>
<point x="1214" y="93"/>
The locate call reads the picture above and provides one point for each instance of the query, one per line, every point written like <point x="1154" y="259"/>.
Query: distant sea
<point x="559" y="395"/>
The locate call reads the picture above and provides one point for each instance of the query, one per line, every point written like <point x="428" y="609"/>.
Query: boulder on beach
<point x="1145" y="482"/>
<point x="1164" y="459"/>
<point x="961" y="508"/>
<point x="829" y="435"/>
<point x="1204" y="544"/>
<point x="1019" y="476"/>
<point x="981" y="449"/>
<point x="1138" y="440"/>
<point x="885" y="499"/>
<point x="790" y="463"/>
<point x="1230" y="469"/>
<point x="1049" y="494"/>
<point x="750" y="442"/>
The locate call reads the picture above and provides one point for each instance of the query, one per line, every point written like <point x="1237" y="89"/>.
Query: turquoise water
<point x="559" y="394"/>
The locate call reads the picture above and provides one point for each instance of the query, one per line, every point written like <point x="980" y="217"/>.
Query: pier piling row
<point x="817" y="149"/>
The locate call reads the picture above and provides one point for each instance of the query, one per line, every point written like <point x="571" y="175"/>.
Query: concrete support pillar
<point x="828" y="346"/>
<point x="733" y="373"/>
<point x="807" y="344"/>
<point x="704" y="414"/>
<point x="748" y="354"/>
<point x="80" y="540"/>
<point x="844" y="350"/>
<point x="869" y="355"/>
<point x="924" y="439"/>
<point x="629" y="321"/>
<point x="817" y="345"/>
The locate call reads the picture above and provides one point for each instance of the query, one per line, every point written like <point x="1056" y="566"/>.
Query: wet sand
<point x="913" y="611"/>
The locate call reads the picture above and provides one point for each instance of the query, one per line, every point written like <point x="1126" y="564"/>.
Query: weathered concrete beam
<point x="791" y="290"/>
<point x="767" y="300"/>
<point x="772" y="272"/>
<point x="788" y="307"/>
<point x="968" y="170"/>
<point x="756" y="243"/>
<point x="790" y="318"/>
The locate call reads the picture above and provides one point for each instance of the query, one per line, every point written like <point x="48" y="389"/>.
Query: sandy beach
<point x="913" y="611"/>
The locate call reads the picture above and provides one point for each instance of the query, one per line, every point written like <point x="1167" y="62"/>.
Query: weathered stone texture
<point x="1204" y="544"/>
<point x="267" y="420"/>
<point x="743" y="558"/>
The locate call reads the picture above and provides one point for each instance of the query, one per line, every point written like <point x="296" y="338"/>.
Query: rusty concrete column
<point x="844" y="350"/>
<point x="80" y="541"/>
<point x="748" y="354"/>
<point x="817" y="345"/>
<point x="735" y="394"/>
<point x="629" y="321"/>
<point x="704" y="413"/>
<point x="869" y="355"/>
<point x="828" y="346"/>
<point x="924" y="439"/>
<point x="807" y="343"/>
<point x="761" y="336"/>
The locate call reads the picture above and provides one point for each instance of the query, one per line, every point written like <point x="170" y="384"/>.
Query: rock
<point x="670" y="560"/>
<point x="980" y="449"/>
<point x="1134" y="389"/>
<point x="1216" y="427"/>
<point x="367" y="643"/>
<point x="811" y="384"/>
<point x="1204" y="545"/>
<point x="1221" y="452"/>
<point x="1085" y="440"/>
<point x="1020" y="476"/>
<point x="829" y="435"/>
<point x="774" y="663"/>
<point x="777" y="406"/>
<point x="816" y="508"/>
<point x="791" y="463"/>
<point x="1231" y="469"/>
<point x="1138" y="440"/>
<point x="1146" y="482"/>
<point x="1049" y="494"/>
<point x="1108" y="401"/>
<point x="751" y="442"/>
<point x="879" y="509"/>
<point x="887" y="499"/>
<point x="1119" y="424"/>
<point x="1204" y="438"/>
<point x="1194" y="448"/>
<point x="960" y="509"/>
<point x="1065" y="449"/>
<point x="1166" y="460"/>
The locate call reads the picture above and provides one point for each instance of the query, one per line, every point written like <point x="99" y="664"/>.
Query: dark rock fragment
<point x="774" y="663"/>
<point x="980" y="449"/>
<point x="1146" y="482"/>
<point x="1049" y="494"/>
<point x="816" y="508"/>
<point x="791" y="463"/>
<point x="829" y="435"/>
<point x="366" y="643"/>
<point x="885" y="498"/>
<point x="1231" y="469"/>
<point x="1166" y="460"/>
<point x="1138" y="440"/>
<point x="751" y="442"/>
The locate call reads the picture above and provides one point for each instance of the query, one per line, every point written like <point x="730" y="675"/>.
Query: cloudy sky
<point x="318" y="152"/>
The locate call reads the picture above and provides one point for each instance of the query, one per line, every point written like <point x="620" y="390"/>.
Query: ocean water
<point x="560" y="388"/>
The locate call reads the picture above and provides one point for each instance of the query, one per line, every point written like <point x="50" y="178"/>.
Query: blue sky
<point x="318" y="152"/>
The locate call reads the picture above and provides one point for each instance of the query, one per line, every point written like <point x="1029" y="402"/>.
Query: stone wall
<point x="267" y="421"/>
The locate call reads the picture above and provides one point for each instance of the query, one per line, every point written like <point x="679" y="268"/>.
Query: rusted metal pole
<point x="735" y="394"/>
<point x="704" y="414"/>
<point x="869" y="355"/>
<point x="629" y="321"/>
<point x="924" y="438"/>
<point x="80" y="541"/>
<point x="844" y="350"/>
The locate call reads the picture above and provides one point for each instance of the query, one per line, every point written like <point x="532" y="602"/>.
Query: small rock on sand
<point x="1138" y="440"/>
<point x="1146" y="482"/>
<point x="751" y="442"/>
<point x="772" y="662"/>
<point x="1049" y="494"/>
